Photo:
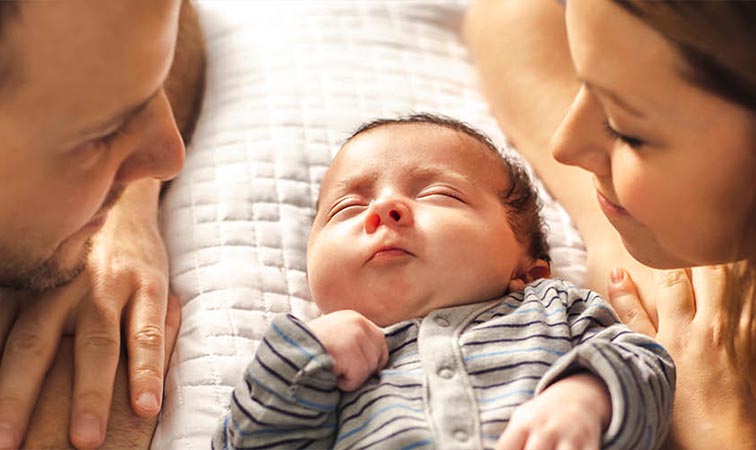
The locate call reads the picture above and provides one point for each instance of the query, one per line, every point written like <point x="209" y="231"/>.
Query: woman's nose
<point x="158" y="150"/>
<point x="387" y="212"/>
<point x="580" y="139"/>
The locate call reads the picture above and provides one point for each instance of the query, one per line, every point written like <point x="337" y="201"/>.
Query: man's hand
<point x="126" y="280"/>
<point x="125" y="428"/>
<point x="128" y="271"/>
<point x="712" y="408"/>
<point x="584" y="412"/>
<point x="357" y="346"/>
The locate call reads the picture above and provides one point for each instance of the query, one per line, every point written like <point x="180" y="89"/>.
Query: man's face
<point x="410" y="220"/>
<point x="82" y="115"/>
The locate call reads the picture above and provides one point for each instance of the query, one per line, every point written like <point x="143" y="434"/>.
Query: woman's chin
<point x="652" y="255"/>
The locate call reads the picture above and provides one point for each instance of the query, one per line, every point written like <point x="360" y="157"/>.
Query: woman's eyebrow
<point x="614" y="98"/>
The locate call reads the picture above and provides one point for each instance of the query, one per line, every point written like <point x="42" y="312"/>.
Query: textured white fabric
<point x="287" y="82"/>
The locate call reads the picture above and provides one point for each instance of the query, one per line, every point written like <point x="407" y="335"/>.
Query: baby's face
<point x="409" y="220"/>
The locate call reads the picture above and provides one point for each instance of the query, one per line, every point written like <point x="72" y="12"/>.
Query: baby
<point x="440" y="326"/>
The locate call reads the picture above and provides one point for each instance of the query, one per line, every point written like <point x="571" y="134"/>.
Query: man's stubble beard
<point x="51" y="273"/>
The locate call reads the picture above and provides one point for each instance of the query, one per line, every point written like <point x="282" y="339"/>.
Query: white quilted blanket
<point x="287" y="82"/>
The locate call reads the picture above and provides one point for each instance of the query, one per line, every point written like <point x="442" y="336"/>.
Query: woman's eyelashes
<point x="615" y="135"/>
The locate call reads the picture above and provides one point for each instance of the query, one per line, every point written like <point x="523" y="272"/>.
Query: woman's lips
<point x="609" y="208"/>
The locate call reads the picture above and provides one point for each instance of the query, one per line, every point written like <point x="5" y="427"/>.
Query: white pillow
<point x="287" y="82"/>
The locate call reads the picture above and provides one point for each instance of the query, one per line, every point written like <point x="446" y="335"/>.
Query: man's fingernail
<point x="148" y="401"/>
<point x="617" y="275"/>
<point x="87" y="428"/>
<point x="7" y="436"/>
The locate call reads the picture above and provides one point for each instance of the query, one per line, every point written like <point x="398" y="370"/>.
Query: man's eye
<point x="101" y="143"/>
<point x="617" y="136"/>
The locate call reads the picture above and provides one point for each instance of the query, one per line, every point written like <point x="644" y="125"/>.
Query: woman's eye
<point x="617" y="136"/>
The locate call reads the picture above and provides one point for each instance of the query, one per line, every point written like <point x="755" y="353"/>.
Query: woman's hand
<point x="712" y="406"/>
<point x="126" y="279"/>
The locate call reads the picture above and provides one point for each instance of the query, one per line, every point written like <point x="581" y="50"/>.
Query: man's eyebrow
<point x="613" y="97"/>
<point x="121" y="116"/>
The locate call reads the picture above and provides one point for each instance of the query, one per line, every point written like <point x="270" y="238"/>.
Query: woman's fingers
<point x="676" y="302"/>
<point x="624" y="298"/>
<point x="708" y="284"/>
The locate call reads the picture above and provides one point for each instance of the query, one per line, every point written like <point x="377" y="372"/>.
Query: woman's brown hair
<point x="716" y="39"/>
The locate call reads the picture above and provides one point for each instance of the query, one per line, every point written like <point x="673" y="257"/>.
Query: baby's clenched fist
<point x="357" y="346"/>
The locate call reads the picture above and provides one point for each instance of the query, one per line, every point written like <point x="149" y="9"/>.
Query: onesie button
<point x="441" y="321"/>
<point x="446" y="373"/>
<point x="461" y="435"/>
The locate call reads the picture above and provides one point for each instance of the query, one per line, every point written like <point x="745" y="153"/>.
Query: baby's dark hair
<point x="519" y="198"/>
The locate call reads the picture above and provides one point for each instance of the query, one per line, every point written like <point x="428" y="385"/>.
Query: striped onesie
<point x="453" y="378"/>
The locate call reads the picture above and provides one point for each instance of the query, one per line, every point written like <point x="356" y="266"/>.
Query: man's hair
<point x="519" y="198"/>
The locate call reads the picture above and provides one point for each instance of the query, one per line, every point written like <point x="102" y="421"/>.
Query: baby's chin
<point x="389" y="316"/>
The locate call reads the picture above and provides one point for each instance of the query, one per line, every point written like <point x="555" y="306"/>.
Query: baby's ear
<point x="533" y="270"/>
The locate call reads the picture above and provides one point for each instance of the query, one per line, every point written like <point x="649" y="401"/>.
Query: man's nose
<point x="158" y="150"/>
<point x="387" y="212"/>
<point x="580" y="139"/>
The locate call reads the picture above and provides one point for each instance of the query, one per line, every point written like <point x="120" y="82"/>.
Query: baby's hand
<point x="357" y="346"/>
<point x="569" y="414"/>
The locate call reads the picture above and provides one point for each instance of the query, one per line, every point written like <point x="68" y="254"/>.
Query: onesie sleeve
<point x="288" y="396"/>
<point x="638" y="372"/>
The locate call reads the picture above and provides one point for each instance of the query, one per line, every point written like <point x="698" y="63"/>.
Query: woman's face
<point x="674" y="165"/>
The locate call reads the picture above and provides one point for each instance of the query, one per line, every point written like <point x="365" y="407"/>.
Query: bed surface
<point x="287" y="82"/>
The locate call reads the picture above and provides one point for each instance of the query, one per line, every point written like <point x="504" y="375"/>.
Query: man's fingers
<point x="172" y="324"/>
<point x="29" y="350"/>
<point x="145" y="341"/>
<point x="624" y="298"/>
<point x="97" y="349"/>
<point x="8" y="312"/>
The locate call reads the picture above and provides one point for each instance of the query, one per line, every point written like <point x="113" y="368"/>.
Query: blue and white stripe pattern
<point x="453" y="378"/>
